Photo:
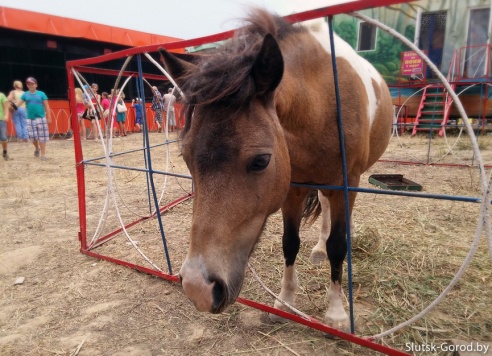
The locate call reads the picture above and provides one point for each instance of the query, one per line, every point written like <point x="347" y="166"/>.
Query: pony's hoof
<point x="318" y="257"/>
<point x="277" y="319"/>
<point x="342" y="324"/>
<point x="277" y="305"/>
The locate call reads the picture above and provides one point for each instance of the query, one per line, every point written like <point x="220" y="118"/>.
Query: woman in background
<point x="121" y="117"/>
<point x="91" y="105"/>
<point x="19" y="116"/>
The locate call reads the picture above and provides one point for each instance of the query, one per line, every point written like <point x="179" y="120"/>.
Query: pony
<point x="261" y="113"/>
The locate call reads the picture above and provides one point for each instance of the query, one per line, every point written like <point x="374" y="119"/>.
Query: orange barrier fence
<point x="60" y="119"/>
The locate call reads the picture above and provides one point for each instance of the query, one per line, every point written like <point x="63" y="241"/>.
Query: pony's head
<point x="236" y="151"/>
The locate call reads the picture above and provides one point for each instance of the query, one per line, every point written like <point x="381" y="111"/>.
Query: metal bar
<point x="129" y="151"/>
<point x="113" y="234"/>
<point x="79" y="157"/>
<point x="456" y="165"/>
<point x="302" y="16"/>
<point x="341" y="138"/>
<point x="315" y="324"/>
<point x="141" y="170"/>
<point x="390" y="192"/>
<point x="152" y="185"/>
<point x="94" y="70"/>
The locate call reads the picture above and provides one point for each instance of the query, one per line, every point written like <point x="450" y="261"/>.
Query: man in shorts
<point x="38" y="116"/>
<point x="4" y="117"/>
<point x="169" y="101"/>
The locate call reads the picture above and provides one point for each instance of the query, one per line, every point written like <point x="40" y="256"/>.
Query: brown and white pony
<point x="262" y="113"/>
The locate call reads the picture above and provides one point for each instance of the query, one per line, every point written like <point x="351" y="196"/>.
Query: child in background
<point x="105" y="103"/>
<point x="80" y="108"/>
<point x="121" y="117"/>
<point x="105" y="100"/>
<point x="90" y="110"/>
<point x="137" y="104"/>
<point x="38" y="116"/>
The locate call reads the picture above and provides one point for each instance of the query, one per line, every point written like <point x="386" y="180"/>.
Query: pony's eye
<point x="259" y="163"/>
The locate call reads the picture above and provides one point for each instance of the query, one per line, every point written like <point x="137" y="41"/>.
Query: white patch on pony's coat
<point x="319" y="29"/>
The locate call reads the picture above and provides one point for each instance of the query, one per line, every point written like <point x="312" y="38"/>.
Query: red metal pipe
<point x="79" y="158"/>
<point x="316" y="324"/>
<point x="457" y="165"/>
<point x="132" y="266"/>
<point x="312" y="322"/>
<point x="302" y="16"/>
<point x="112" y="234"/>
<point x="115" y="73"/>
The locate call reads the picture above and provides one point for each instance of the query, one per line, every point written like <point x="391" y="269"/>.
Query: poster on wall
<point x="411" y="64"/>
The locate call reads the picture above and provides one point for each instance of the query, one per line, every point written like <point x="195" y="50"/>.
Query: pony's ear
<point x="268" y="68"/>
<point x="175" y="67"/>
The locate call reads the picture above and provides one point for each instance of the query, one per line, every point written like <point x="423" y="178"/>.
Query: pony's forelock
<point x="223" y="77"/>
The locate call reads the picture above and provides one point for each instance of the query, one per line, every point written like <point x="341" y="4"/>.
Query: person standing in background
<point x="90" y="113"/>
<point x="80" y="108"/>
<point x="113" y="114"/>
<point x="157" y="108"/>
<point x="169" y="101"/>
<point x="105" y="103"/>
<point x="19" y="115"/>
<point x="137" y="105"/>
<point x="121" y="117"/>
<point x="95" y="89"/>
<point x="38" y="116"/>
<point x="4" y="117"/>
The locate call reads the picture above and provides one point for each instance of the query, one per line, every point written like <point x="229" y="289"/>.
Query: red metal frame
<point x="112" y="234"/>
<point x="88" y="250"/>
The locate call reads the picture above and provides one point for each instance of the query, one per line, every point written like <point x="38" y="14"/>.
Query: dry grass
<point x="405" y="252"/>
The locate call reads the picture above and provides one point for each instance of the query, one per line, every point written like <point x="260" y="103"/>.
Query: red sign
<point x="411" y="64"/>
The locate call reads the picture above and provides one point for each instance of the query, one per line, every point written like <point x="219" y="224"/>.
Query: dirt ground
<point x="406" y="250"/>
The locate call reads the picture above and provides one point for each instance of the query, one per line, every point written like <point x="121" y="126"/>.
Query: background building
<point x="456" y="36"/>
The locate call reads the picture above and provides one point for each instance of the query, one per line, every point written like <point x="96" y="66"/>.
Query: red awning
<point x="61" y="26"/>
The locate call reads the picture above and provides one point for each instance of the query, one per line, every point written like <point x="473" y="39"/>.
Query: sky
<point x="184" y="19"/>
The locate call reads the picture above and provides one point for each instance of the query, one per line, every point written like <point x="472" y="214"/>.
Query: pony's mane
<point x="223" y="77"/>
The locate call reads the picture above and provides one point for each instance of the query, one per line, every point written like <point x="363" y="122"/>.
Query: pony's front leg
<point x="337" y="249"/>
<point x="292" y="215"/>
<point x="336" y="246"/>
<point x="287" y="293"/>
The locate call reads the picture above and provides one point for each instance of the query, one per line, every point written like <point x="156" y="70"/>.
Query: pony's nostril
<point x="219" y="296"/>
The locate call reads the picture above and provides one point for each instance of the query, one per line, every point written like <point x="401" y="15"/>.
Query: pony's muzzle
<point x="207" y="294"/>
